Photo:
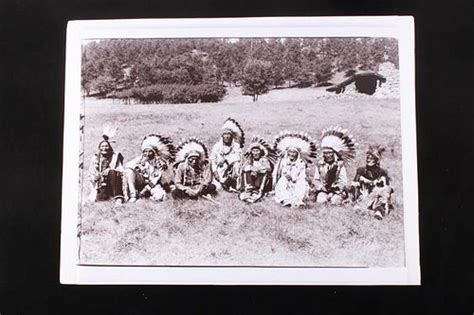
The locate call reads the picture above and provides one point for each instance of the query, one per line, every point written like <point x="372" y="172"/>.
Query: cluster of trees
<point x="130" y="68"/>
<point x="171" y="93"/>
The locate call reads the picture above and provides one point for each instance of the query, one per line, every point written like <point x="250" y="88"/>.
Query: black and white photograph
<point x="307" y="157"/>
<point x="252" y="151"/>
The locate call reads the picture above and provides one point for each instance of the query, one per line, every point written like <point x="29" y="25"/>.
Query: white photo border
<point x="400" y="27"/>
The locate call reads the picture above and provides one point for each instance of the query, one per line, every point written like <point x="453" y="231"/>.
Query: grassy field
<point x="202" y="233"/>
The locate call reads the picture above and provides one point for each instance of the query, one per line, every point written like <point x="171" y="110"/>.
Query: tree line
<point x="193" y="70"/>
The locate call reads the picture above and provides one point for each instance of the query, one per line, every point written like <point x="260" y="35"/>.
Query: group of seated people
<point x="188" y="171"/>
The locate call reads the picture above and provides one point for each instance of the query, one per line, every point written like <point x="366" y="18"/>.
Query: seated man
<point x="105" y="172"/>
<point x="256" y="171"/>
<point x="147" y="175"/>
<point x="193" y="177"/>
<point x="371" y="185"/>
<point x="289" y="177"/>
<point x="330" y="177"/>
<point x="226" y="156"/>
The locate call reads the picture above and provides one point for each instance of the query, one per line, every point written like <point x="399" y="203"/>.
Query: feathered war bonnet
<point x="300" y="142"/>
<point x="191" y="147"/>
<point x="232" y="126"/>
<point x="108" y="132"/>
<point x="265" y="147"/>
<point x="338" y="140"/>
<point x="162" y="146"/>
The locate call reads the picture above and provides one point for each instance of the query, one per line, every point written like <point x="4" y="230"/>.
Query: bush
<point x="149" y="94"/>
<point x="211" y="93"/>
<point x="102" y="85"/>
<point x="176" y="93"/>
<point x="304" y="79"/>
<point x="173" y="93"/>
<point x="124" y="95"/>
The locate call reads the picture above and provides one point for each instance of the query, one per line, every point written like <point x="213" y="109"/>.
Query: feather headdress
<point x="299" y="141"/>
<point x="237" y="131"/>
<point x="268" y="151"/>
<point x="376" y="151"/>
<point x="108" y="132"/>
<point x="163" y="146"/>
<point x="190" y="146"/>
<point x="338" y="140"/>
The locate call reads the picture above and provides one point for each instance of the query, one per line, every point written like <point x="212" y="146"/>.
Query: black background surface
<point x="32" y="54"/>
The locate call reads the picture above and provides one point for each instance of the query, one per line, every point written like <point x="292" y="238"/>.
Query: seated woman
<point x="147" y="175"/>
<point x="289" y="177"/>
<point x="371" y="185"/>
<point x="193" y="176"/>
<point x="105" y="171"/>
<point x="256" y="170"/>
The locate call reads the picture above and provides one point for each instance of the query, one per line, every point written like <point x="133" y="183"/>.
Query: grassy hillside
<point x="202" y="233"/>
